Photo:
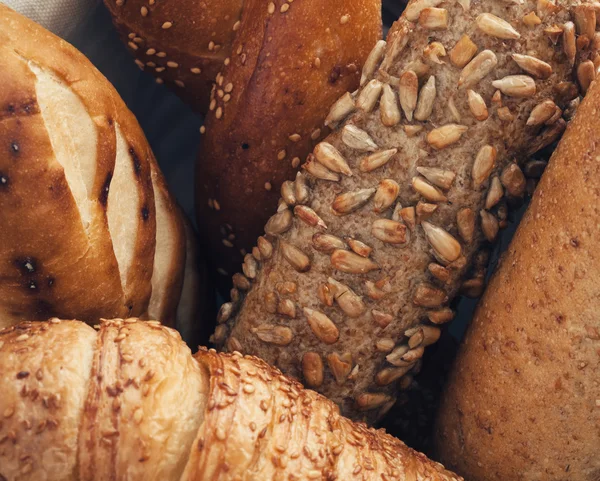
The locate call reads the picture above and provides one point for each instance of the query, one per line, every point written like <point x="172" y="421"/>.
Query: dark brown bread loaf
<point x="290" y="62"/>
<point x="356" y="271"/>
<point x="526" y="383"/>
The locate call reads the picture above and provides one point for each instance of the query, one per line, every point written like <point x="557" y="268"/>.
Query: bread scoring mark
<point x="145" y="213"/>
<point x="103" y="199"/>
<point x="12" y="110"/>
<point x="137" y="164"/>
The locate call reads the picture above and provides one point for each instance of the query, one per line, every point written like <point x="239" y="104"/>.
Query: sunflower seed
<point x="513" y="180"/>
<point x="318" y="170"/>
<point x="425" y="210"/>
<point x="533" y="66"/>
<point x="415" y="354"/>
<point x="351" y="263"/>
<point x="516" y="86"/>
<point x="347" y="299"/>
<point x="301" y="191"/>
<point x="586" y="74"/>
<point x="265" y="247"/>
<point x="395" y="357"/>
<point x="373" y="61"/>
<point x="321" y="326"/>
<point x="446" y="135"/>
<point x="465" y="220"/>
<point x="463" y="52"/>
<point x="428" y="191"/>
<point x="495" y="193"/>
<point x="557" y="115"/>
<point x="497" y="98"/>
<point x="370" y="401"/>
<point x="287" y="287"/>
<point x="505" y="114"/>
<point x="381" y="318"/>
<point x="409" y="91"/>
<point x="297" y="259"/>
<point x="546" y="7"/>
<point x="434" y="51"/>
<point x="473" y="288"/>
<point x="585" y="20"/>
<point x="426" y="100"/>
<point x="554" y="32"/>
<point x="438" y="177"/>
<point x="325" y="295"/>
<point x="477" y="105"/>
<point x="312" y="369"/>
<point x="309" y="216"/>
<point x="531" y="19"/>
<point x="426" y="295"/>
<point x="279" y="223"/>
<point x="439" y="272"/>
<point x="225" y="312"/>
<point x="387" y="376"/>
<point x="386" y="195"/>
<point x="397" y="41"/>
<point x="465" y="4"/>
<point x="343" y="107"/>
<point x="250" y="266"/>
<point x="287" y="308"/>
<point x="477" y="69"/>
<point x="489" y="225"/>
<point x="453" y="109"/>
<point x="408" y="215"/>
<point x="412" y="130"/>
<point x="350" y="201"/>
<point x="441" y="316"/>
<point x="270" y="302"/>
<point x="548" y="136"/>
<point x="357" y="139"/>
<point x="541" y="113"/>
<point x="327" y="155"/>
<point x="359" y="247"/>
<point x="272" y="334"/>
<point x="389" y="231"/>
<point x="390" y="113"/>
<point x="241" y="282"/>
<point x="327" y="243"/>
<point x="444" y="244"/>
<point x="385" y="345"/>
<point x="369" y="96"/>
<point x="569" y="42"/>
<point x="287" y="192"/>
<point x="483" y="165"/>
<point x="434" y="18"/>
<point x="340" y="366"/>
<point x="376" y="160"/>
<point x="535" y="168"/>
<point x="414" y="9"/>
<point x="256" y="253"/>
<point x="496" y="27"/>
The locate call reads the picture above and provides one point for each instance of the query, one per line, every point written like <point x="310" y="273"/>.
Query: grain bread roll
<point x="182" y="43"/>
<point x="130" y="402"/>
<point x="395" y="209"/>
<point x="525" y="384"/>
<point x="89" y="228"/>
<point x="290" y="62"/>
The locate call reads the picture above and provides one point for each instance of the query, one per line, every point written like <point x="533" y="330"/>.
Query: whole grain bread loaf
<point x="392" y="215"/>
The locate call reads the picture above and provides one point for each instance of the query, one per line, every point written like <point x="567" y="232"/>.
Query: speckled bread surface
<point x="290" y="62"/>
<point x="130" y="402"/>
<point x="526" y="382"/>
<point x="88" y="226"/>
<point x="183" y="43"/>
<point x="391" y="218"/>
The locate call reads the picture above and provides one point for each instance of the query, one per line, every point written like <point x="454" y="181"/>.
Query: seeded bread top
<point x="370" y="245"/>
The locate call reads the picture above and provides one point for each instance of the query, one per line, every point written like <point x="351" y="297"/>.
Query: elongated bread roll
<point x="87" y="225"/>
<point x="130" y="402"/>
<point x="290" y="62"/>
<point x="372" y="242"/>
<point x="525" y="385"/>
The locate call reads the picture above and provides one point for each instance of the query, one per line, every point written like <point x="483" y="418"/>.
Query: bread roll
<point x="395" y="209"/>
<point x="525" y="384"/>
<point x="290" y="62"/>
<point x="89" y="228"/>
<point x="130" y="402"/>
<point x="183" y="44"/>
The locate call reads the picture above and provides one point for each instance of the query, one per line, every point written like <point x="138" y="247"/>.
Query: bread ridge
<point x="358" y="267"/>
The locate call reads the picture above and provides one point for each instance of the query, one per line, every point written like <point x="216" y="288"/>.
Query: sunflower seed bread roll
<point x="290" y="62"/>
<point x="525" y="386"/>
<point x="88" y="227"/>
<point x="357" y="269"/>
<point x="130" y="402"/>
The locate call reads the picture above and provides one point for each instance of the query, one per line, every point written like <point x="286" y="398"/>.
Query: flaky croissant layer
<point x="130" y="402"/>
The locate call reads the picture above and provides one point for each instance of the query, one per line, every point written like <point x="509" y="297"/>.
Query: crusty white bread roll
<point x="525" y="386"/>
<point x="391" y="218"/>
<point x="88" y="227"/>
<point x="130" y="402"/>
<point x="290" y="62"/>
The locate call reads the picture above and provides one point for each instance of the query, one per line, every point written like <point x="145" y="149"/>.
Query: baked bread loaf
<point x="89" y="228"/>
<point x="290" y="62"/>
<point x="369" y="246"/>
<point x="183" y="43"/>
<point x="525" y="384"/>
<point x="130" y="402"/>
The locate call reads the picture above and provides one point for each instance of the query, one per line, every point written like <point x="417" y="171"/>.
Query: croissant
<point x="129" y="402"/>
<point x="395" y="210"/>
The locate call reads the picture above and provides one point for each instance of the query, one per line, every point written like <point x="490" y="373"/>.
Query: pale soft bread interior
<point x="73" y="136"/>
<point x="166" y="243"/>
<point x="123" y="207"/>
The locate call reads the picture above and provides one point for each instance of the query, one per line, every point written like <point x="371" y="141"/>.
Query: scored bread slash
<point x="413" y="186"/>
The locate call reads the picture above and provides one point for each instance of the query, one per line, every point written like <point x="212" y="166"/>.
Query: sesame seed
<point x="195" y="70"/>
<point x="316" y="134"/>
<point x="220" y="93"/>
<point x="295" y="137"/>
<point x="239" y="50"/>
<point x="167" y="25"/>
<point x="295" y="162"/>
<point x="227" y="61"/>
<point x="144" y="11"/>
<point x="268" y="186"/>
<point x="179" y="83"/>
<point x="8" y="412"/>
<point x="281" y="154"/>
<point x="203" y="129"/>
<point x="160" y="69"/>
<point x="285" y="7"/>
<point x="132" y="45"/>
<point x="236" y="26"/>
<point x="220" y="81"/>
<point x="172" y="64"/>
<point x="213" y="104"/>
<point x="161" y="54"/>
<point x="226" y="243"/>
<point x="139" y="63"/>
<point x="219" y="113"/>
<point x="229" y="87"/>
<point x="211" y="46"/>
<point x="345" y="19"/>
<point x="151" y="2"/>
<point x="138" y="40"/>
<point x="271" y="8"/>
<point x="22" y="337"/>
<point x="151" y="51"/>
<point x="217" y="205"/>
<point x="317" y="62"/>
<point x="159" y="81"/>
<point x="120" y="3"/>
<point x="132" y="35"/>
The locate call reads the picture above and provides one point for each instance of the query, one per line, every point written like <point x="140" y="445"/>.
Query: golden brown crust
<point x="525" y="386"/>
<point x="290" y="62"/>
<point x="398" y="206"/>
<point x="182" y="43"/>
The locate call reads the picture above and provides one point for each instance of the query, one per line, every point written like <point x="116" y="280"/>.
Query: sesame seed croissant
<point x="393" y="214"/>
<point x="129" y="402"/>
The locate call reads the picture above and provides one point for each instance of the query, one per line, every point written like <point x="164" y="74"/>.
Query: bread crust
<point x="289" y="63"/>
<point x="357" y="269"/>
<point x="524" y="386"/>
